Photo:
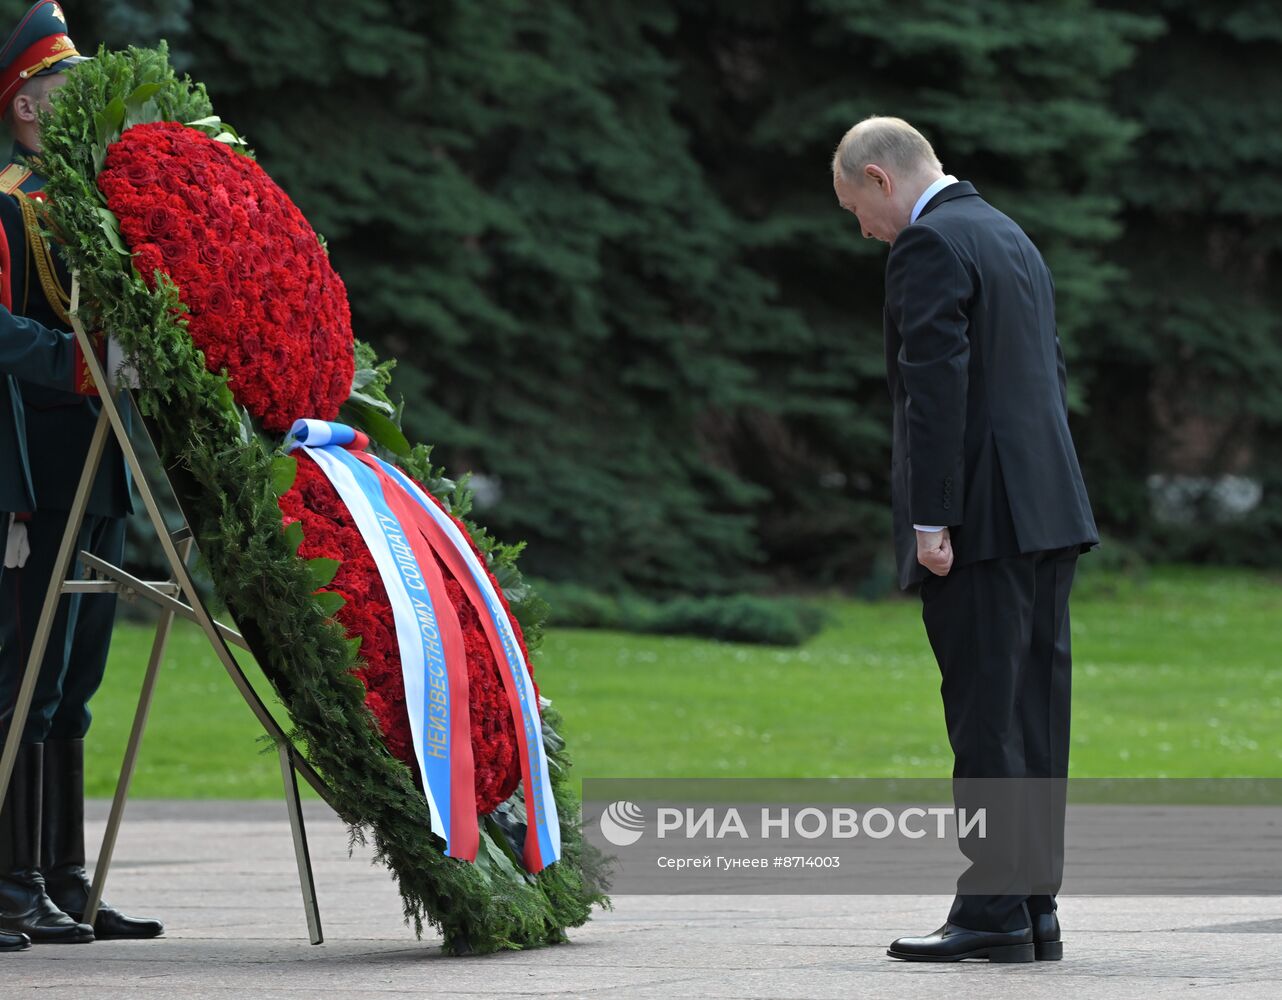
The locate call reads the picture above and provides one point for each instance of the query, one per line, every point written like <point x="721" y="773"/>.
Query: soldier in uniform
<point x="38" y="355"/>
<point x="59" y="426"/>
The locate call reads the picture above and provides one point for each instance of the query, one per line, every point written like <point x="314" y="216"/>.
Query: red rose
<point x="221" y="230"/>
<point x="141" y="173"/>
<point x="169" y="183"/>
<point x="220" y="302"/>
<point x="253" y="260"/>
<point x="211" y="255"/>
<point x="178" y="254"/>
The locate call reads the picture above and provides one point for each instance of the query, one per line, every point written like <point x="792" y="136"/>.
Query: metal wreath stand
<point x="176" y="596"/>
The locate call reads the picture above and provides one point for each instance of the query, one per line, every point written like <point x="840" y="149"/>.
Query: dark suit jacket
<point x="38" y="355"/>
<point x="977" y="379"/>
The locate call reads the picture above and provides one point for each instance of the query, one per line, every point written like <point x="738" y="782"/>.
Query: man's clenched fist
<point x="935" y="551"/>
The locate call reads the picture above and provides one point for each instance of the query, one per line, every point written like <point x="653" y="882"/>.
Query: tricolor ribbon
<point x="406" y="532"/>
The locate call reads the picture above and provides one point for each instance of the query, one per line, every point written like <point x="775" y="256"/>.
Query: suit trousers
<point x="1000" y="633"/>
<point x="76" y="657"/>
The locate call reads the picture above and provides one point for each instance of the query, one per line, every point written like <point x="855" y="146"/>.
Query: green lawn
<point x="1177" y="675"/>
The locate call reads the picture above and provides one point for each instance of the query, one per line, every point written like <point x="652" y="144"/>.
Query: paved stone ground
<point x="222" y="876"/>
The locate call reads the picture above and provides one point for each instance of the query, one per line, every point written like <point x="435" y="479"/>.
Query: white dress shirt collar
<point x="929" y="193"/>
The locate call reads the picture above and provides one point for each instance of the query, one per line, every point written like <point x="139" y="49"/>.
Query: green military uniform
<point x="44" y="889"/>
<point x="41" y="356"/>
<point x="33" y="353"/>
<point x="59" y="426"/>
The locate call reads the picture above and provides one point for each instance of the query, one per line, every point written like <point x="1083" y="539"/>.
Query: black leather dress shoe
<point x="1046" y="943"/>
<point x="110" y="923"/>
<point x="14" y="942"/>
<point x="952" y="944"/>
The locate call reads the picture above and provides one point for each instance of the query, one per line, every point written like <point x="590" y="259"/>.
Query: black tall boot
<point x="63" y="841"/>
<point x="14" y="942"/>
<point x="24" y="905"/>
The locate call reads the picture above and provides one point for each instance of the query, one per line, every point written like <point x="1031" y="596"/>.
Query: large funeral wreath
<point x="225" y="301"/>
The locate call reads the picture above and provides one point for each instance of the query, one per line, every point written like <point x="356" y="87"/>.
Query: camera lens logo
<point x="622" y="823"/>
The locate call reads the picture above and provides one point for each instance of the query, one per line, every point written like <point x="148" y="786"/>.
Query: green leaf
<point x="386" y="433"/>
<point x="379" y="427"/>
<point x="354" y="645"/>
<point x="509" y="577"/>
<point x="515" y="867"/>
<point x="284" y="472"/>
<point x="323" y="571"/>
<point x="363" y="377"/>
<point x="110" y="226"/>
<point x="494" y="857"/>
<point x="247" y="429"/>
<point x="382" y="405"/>
<point x="551" y="740"/>
<point x="108" y="121"/>
<point x="142" y="95"/>
<point x="140" y="107"/>
<point x="221" y="131"/>
<point x="329" y="602"/>
<point x="294" y="535"/>
<point x="143" y="115"/>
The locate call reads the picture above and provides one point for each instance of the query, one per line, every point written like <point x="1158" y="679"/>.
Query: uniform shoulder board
<point x="12" y="176"/>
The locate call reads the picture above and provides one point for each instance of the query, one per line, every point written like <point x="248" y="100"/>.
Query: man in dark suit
<point x="990" y="513"/>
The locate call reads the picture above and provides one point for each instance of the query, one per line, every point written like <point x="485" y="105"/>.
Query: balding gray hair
<point x="890" y="143"/>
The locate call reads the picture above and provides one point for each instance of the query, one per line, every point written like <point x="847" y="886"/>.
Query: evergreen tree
<point x="1190" y="372"/>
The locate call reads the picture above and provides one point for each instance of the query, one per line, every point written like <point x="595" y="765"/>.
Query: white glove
<point x="120" y="373"/>
<point x="16" y="546"/>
